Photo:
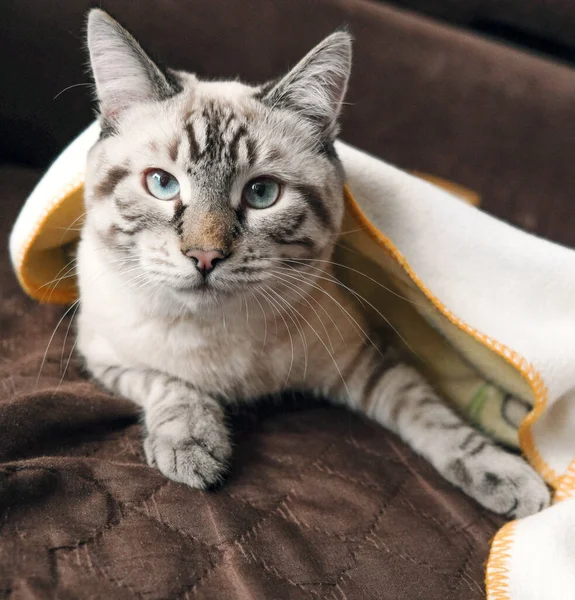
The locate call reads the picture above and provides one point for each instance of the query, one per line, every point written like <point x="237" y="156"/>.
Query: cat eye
<point x="161" y="184"/>
<point x="261" y="193"/>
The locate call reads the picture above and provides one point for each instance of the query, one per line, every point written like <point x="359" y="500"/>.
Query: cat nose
<point x="205" y="260"/>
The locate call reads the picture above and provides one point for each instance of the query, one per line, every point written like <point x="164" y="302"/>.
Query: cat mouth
<point x="203" y="287"/>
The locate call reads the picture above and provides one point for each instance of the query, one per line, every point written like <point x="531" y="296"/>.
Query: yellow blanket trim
<point x="566" y="487"/>
<point x="496" y="572"/>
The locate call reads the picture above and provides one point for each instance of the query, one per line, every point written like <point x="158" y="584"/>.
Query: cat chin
<point x="200" y="298"/>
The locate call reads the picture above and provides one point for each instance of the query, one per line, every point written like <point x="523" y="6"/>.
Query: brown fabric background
<point x="552" y="21"/>
<point x="319" y="502"/>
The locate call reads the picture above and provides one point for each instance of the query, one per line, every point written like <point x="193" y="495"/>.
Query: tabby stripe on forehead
<point x="111" y="180"/>
<point x="314" y="200"/>
<point x="228" y="121"/>
<point x="194" y="147"/>
<point x="173" y="150"/>
<point x="252" y="153"/>
<point x="234" y="144"/>
<point x="213" y="134"/>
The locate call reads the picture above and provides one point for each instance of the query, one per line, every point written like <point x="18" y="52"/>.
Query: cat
<point x="212" y="210"/>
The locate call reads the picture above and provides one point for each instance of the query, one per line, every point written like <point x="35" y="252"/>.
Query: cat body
<point x="205" y="268"/>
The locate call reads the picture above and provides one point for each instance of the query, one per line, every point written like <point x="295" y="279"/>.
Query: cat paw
<point x="501" y="482"/>
<point x="199" y="462"/>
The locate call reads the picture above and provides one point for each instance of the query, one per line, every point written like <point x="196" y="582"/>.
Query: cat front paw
<point x="501" y="482"/>
<point x="200" y="462"/>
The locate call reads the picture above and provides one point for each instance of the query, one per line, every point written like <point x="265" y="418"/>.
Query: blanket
<point x="493" y="299"/>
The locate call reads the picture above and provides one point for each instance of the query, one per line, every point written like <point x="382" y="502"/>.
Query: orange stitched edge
<point x="566" y="488"/>
<point x="497" y="572"/>
<point x="31" y="287"/>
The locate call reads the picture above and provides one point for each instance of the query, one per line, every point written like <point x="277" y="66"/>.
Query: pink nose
<point x="205" y="260"/>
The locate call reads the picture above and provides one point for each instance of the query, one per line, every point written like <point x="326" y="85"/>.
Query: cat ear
<point x="123" y="72"/>
<point x="316" y="86"/>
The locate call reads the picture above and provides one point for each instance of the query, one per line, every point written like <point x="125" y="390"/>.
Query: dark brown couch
<point x="319" y="503"/>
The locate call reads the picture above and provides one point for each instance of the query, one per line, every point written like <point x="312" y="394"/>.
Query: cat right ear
<point x="316" y="86"/>
<point x="123" y="73"/>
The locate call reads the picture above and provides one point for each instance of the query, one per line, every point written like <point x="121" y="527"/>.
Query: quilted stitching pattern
<point x="319" y="502"/>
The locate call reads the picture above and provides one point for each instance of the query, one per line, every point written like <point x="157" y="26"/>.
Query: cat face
<point x="198" y="190"/>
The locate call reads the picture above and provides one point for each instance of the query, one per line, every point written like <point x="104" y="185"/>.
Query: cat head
<point x="201" y="189"/>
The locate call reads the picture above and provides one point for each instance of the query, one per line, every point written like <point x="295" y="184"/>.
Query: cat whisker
<point x="293" y="313"/>
<point x="140" y="281"/>
<point x="70" y="227"/>
<point x="75" y="85"/>
<point x="247" y="310"/>
<point x="265" y="319"/>
<point x="275" y="316"/>
<point x="350" y="232"/>
<point x="71" y="351"/>
<point x="305" y="297"/>
<point x="336" y="264"/>
<point x="271" y="302"/>
<point x="324" y="345"/>
<point x="69" y="273"/>
<point x="121" y="273"/>
<point x="298" y="276"/>
<point x="51" y="340"/>
<point x="66" y="338"/>
<point x="361" y="298"/>
<point x="54" y="282"/>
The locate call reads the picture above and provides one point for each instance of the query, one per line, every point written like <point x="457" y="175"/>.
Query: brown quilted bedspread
<point x="319" y="503"/>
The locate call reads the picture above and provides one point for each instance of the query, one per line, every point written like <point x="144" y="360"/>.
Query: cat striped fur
<point x="223" y="291"/>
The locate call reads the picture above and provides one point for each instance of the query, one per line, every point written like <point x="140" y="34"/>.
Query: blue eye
<point x="261" y="193"/>
<point x="162" y="185"/>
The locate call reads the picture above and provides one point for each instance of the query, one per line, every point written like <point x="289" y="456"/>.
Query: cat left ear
<point x="124" y="74"/>
<point x="316" y="86"/>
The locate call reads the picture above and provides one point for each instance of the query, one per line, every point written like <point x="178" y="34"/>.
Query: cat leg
<point x="186" y="435"/>
<point x="399" y="398"/>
